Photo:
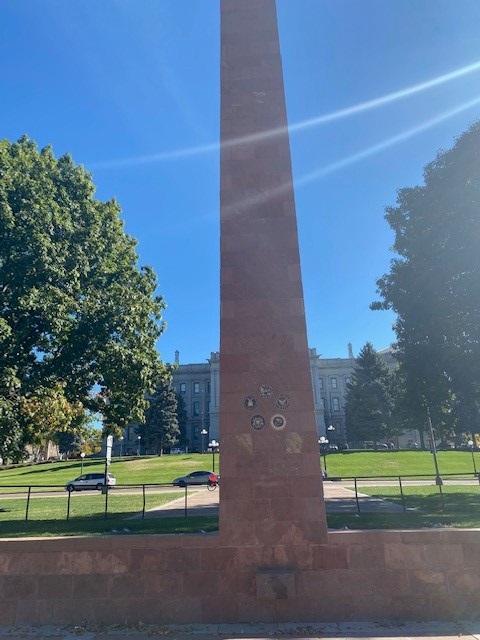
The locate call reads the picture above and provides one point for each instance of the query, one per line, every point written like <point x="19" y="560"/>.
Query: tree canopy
<point x="78" y="317"/>
<point x="434" y="282"/>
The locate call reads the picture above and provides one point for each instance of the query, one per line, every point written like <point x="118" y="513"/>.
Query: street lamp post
<point x="214" y="447"/>
<point x="475" y="472"/>
<point x="433" y="449"/>
<point x="121" y="446"/>
<point x="331" y="431"/>
<point x="323" y="441"/>
<point x="138" y="448"/>
<point x="203" y="433"/>
<point x="82" y="456"/>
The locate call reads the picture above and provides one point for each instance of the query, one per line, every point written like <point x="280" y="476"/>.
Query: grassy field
<point x="159" y="470"/>
<point x="460" y="506"/>
<point x="47" y="516"/>
<point x="457" y="506"/>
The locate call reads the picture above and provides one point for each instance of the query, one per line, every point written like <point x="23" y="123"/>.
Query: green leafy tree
<point x="75" y="309"/>
<point x="433" y="283"/>
<point x="369" y="402"/>
<point x="182" y="418"/>
<point x="161" y="425"/>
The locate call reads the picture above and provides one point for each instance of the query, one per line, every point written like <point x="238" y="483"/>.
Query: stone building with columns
<point x="199" y="385"/>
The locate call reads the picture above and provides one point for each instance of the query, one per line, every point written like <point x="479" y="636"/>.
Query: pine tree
<point x="182" y="418"/>
<point x="161" y="425"/>
<point x="369" y="402"/>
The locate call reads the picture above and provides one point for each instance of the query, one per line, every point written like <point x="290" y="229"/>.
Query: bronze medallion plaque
<point x="282" y="402"/>
<point x="257" y="422"/>
<point x="278" y="422"/>
<point x="249" y="402"/>
<point x="265" y="390"/>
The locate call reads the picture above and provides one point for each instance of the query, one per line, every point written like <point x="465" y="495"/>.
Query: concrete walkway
<point x="292" y="631"/>
<point x="338" y="499"/>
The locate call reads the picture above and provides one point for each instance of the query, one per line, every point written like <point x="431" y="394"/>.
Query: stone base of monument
<point x="356" y="575"/>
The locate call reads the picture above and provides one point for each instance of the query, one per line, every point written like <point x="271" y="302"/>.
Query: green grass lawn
<point x="399" y="463"/>
<point x="47" y="516"/>
<point x="459" y="507"/>
<point x="158" y="470"/>
<point x="128" y="470"/>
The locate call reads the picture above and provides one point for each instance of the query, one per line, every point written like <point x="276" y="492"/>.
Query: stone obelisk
<point x="271" y="490"/>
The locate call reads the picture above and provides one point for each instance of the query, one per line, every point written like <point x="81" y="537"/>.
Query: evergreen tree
<point x="161" y="425"/>
<point x="182" y="418"/>
<point x="368" y="402"/>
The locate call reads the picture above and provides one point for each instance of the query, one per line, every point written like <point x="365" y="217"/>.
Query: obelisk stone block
<point x="271" y="479"/>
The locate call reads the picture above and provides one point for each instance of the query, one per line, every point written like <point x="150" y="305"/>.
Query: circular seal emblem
<point x="257" y="422"/>
<point x="278" y="422"/>
<point x="249" y="402"/>
<point x="282" y="402"/>
<point x="265" y="390"/>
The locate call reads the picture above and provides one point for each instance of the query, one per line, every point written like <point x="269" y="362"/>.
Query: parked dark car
<point x="196" y="477"/>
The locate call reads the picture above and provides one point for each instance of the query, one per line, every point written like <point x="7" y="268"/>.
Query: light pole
<point x="475" y="472"/>
<point x="82" y="456"/>
<point x="214" y="447"/>
<point x="203" y="433"/>
<point x="121" y="446"/>
<point x="323" y="441"/>
<point x="138" y="448"/>
<point x="331" y="432"/>
<point x="433" y="448"/>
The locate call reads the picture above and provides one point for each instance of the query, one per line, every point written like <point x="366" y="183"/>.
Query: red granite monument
<point x="273" y="559"/>
<point x="271" y="478"/>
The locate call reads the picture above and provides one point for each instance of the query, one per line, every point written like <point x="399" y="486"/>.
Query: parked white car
<point x="91" y="481"/>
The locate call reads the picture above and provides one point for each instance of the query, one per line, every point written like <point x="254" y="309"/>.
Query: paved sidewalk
<point x="338" y="499"/>
<point x="291" y="631"/>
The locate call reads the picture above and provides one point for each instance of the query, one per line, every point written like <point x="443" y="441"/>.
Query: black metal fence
<point x="403" y="482"/>
<point x="184" y="501"/>
<point x="180" y="499"/>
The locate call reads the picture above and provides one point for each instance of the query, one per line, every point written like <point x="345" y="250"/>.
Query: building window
<point x="196" y="387"/>
<point x="183" y="387"/>
<point x="196" y="408"/>
<point x="336" y="404"/>
<point x="320" y="383"/>
<point x="333" y="383"/>
<point x="208" y="387"/>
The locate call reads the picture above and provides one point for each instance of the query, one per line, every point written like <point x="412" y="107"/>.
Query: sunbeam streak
<point x="356" y="157"/>
<point x="362" y="107"/>
<point x="390" y="142"/>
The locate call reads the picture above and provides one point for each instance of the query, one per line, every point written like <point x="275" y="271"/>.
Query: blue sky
<point x="131" y="89"/>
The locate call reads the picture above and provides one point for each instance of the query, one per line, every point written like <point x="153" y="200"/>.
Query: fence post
<point x="28" y="503"/>
<point x="439" y="485"/>
<point x="106" y="501"/>
<point x="356" y="496"/>
<point x="401" y="494"/>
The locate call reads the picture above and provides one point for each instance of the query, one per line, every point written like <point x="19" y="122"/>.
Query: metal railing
<point x="413" y="479"/>
<point x="57" y="492"/>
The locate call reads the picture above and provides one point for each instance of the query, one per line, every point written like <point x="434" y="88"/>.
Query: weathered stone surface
<point x="267" y="423"/>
